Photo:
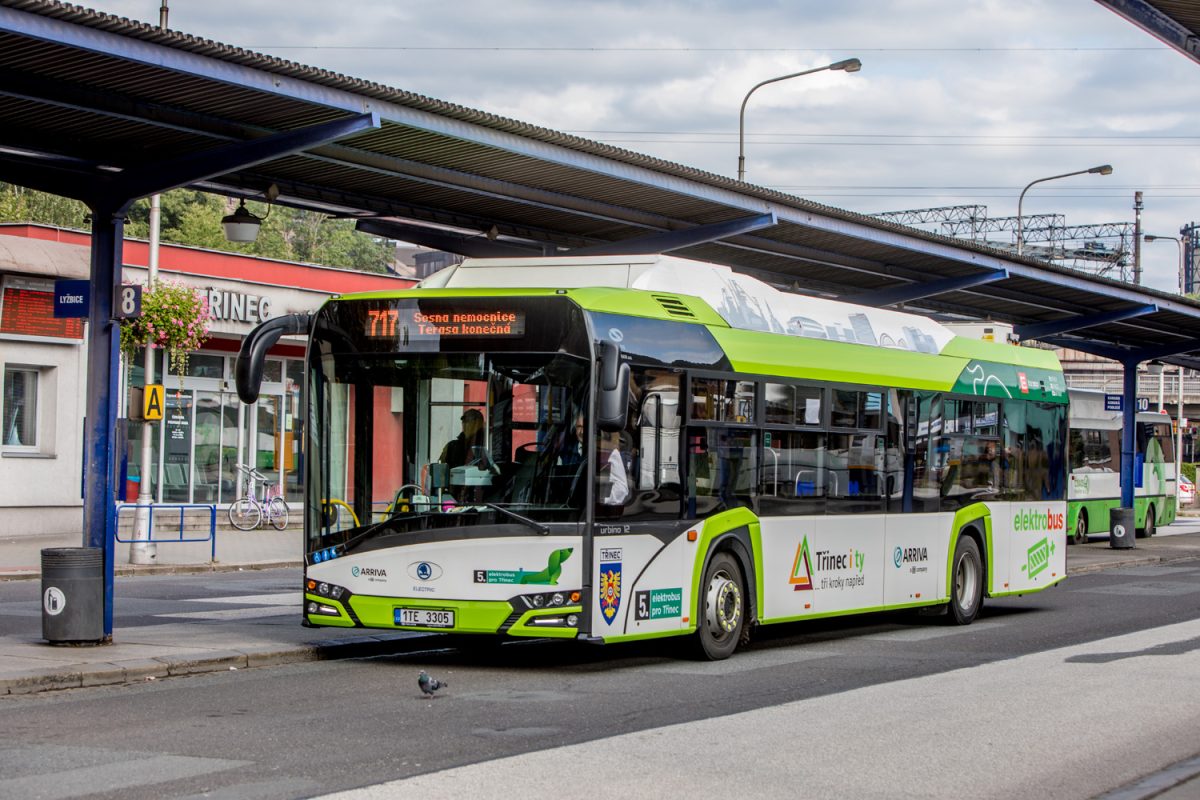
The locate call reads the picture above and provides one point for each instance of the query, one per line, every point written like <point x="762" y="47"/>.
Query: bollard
<point x="1122" y="528"/>
<point x="73" y="595"/>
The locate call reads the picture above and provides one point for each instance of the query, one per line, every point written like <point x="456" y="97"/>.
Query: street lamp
<point x="848" y="65"/>
<point x="1149" y="237"/>
<point x="1104" y="169"/>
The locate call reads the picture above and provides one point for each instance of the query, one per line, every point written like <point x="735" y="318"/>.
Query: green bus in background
<point x="1095" y="487"/>
<point x="610" y="449"/>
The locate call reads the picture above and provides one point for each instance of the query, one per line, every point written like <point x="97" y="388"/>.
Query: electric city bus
<point x="611" y="449"/>
<point x="1095" y="485"/>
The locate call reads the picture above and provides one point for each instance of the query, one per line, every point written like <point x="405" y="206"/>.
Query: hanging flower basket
<point x="174" y="318"/>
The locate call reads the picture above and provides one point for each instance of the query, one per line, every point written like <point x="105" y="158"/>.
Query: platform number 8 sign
<point x="128" y="302"/>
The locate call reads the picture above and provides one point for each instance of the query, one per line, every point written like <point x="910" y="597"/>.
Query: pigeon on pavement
<point x="428" y="684"/>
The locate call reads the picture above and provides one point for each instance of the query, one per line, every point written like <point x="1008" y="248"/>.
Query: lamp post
<point x="1179" y="438"/>
<point x="848" y="65"/>
<point x="1104" y="169"/>
<point x="1149" y="237"/>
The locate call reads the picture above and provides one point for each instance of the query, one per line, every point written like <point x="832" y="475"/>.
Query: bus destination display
<point x="411" y="323"/>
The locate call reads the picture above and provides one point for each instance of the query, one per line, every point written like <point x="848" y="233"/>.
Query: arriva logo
<point x="368" y="572"/>
<point x="909" y="555"/>
<point x="1038" y="521"/>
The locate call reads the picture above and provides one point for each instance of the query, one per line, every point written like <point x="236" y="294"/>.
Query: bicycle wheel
<point x="245" y="514"/>
<point x="277" y="512"/>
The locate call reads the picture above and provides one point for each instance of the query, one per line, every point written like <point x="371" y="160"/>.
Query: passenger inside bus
<point x="468" y="445"/>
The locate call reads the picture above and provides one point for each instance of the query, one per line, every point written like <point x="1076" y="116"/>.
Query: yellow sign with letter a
<point x="152" y="403"/>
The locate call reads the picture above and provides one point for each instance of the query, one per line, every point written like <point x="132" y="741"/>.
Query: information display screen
<point x="31" y="312"/>
<point x="412" y="323"/>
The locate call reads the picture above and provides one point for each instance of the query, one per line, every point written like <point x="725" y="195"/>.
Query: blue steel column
<point x="104" y="339"/>
<point x="1128" y="439"/>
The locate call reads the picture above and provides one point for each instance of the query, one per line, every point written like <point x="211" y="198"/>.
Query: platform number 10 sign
<point x="128" y="302"/>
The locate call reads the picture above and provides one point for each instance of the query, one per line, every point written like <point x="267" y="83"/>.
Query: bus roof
<point x="748" y="317"/>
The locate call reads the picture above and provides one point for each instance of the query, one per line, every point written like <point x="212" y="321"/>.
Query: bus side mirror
<point x="248" y="370"/>
<point x="613" y="396"/>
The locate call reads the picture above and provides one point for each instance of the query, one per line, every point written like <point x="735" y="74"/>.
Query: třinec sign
<point x="238" y="307"/>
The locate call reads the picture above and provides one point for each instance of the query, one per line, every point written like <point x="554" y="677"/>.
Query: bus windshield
<point x="433" y="441"/>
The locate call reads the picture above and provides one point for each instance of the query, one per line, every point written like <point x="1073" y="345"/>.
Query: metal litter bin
<point x="1122" y="528"/>
<point x="73" y="595"/>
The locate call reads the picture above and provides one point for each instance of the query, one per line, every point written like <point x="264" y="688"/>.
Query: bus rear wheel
<point x="1081" y="528"/>
<point x="722" y="609"/>
<point x="1149" y="528"/>
<point x="966" y="582"/>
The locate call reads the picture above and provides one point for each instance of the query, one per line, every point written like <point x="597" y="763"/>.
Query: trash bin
<point x="73" y="595"/>
<point x="1122" y="528"/>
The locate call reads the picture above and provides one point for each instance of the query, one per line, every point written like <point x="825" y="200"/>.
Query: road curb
<point x="1139" y="561"/>
<point x="148" y="669"/>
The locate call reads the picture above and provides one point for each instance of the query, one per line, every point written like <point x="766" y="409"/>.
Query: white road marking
<point x="121" y="772"/>
<point x="933" y="630"/>
<point x="276" y="599"/>
<point x="233" y="613"/>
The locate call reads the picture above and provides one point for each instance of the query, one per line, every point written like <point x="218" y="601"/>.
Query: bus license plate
<point x="425" y="617"/>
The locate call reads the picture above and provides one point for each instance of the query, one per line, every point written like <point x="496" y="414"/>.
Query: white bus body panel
<point x="454" y="567"/>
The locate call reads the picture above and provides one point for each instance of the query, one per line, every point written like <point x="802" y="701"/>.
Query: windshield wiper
<point x="537" y="526"/>
<point x="367" y="533"/>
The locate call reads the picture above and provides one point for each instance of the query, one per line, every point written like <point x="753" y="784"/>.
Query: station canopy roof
<point x="1175" y="22"/>
<point x="85" y="96"/>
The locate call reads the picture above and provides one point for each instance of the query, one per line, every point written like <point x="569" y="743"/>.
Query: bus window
<point x="647" y="451"/>
<point x="721" y="469"/>
<point x="794" y="475"/>
<point x="854" y="409"/>
<point x="716" y="400"/>
<point x="856" y="469"/>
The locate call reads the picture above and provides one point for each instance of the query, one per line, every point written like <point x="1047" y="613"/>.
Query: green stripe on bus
<point x="824" y="360"/>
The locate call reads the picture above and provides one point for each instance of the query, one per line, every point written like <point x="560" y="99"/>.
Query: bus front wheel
<point x="966" y="582"/>
<point x="722" y="609"/>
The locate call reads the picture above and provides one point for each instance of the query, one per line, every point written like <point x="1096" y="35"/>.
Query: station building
<point x="206" y="430"/>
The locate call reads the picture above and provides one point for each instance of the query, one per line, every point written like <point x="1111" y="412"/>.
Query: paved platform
<point x="189" y="644"/>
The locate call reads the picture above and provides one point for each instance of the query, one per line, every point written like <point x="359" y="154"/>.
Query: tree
<point x="18" y="204"/>
<point x="193" y="218"/>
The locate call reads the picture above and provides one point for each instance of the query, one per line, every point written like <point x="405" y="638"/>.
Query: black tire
<point x="722" y="618"/>
<point x="1149" y="528"/>
<point x="966" y="582"/>
<point x="1081" y="528"/>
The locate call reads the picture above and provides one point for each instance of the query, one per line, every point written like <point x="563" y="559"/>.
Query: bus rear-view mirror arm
<point x="252" y="357"/>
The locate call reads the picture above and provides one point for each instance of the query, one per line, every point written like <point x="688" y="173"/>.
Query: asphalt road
<point x="1071" y="693"/>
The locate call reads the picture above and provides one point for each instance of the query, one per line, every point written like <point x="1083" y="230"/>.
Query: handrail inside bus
<point x="253" y="356"/>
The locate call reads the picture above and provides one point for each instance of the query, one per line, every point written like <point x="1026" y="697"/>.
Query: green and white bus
<point x="1095" y="486"/>
<point x="612" y="449"/>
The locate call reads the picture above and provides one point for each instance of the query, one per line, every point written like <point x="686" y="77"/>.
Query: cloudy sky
<point x="959" y="102"/>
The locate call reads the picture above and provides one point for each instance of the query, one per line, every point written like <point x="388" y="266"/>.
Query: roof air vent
<point x="674" y="306"/>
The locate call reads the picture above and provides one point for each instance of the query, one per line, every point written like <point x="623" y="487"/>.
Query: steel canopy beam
<point x="677" y="240"/>
<point x="916" y="291"/>
<point x="447" y="241"/>
<point x="1041" y="330"/>
<point x="154" y="178"/>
